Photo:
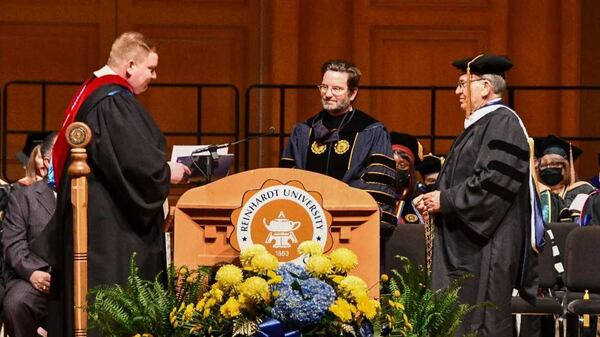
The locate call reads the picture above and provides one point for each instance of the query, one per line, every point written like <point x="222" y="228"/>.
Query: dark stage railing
<point x="199" y="133"/>
<point x="283" y="89"/>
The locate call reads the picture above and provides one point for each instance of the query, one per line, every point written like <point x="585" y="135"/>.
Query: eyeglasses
<point x="463" y="84"/>
<point x="336" y="91"/>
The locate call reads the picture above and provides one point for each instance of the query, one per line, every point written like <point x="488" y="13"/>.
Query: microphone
<point x="215" y="147"/>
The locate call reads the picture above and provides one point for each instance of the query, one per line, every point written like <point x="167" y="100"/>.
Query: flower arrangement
<point x="317" y="299"/>
<point x="258" y="297"/>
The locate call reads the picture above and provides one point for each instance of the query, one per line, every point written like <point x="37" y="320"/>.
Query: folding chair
<point x="582" y="272"/>
<point x="547" y="304"/>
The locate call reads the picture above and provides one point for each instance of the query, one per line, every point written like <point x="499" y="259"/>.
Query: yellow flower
<point x="344" y="260"/>
<point x="173" y="315"/>
<point x="396" y="293"/>
<point x="255" y="289"/>
<point x="275" y="279"/>
<point x="396" y="305"/>
<point x="229" y="276"/>
<point x="147" y="335"/>
<point x="189" y="312"/>
<point x="384" y="278"/>
<point x="342" y="309"/>
<point x="183" y="270"/>
<point x="247" y="254"/>
<point x="310" y="248"/>
<point x="368" y="307"/>
<point x="206" y="313"/>
<point x="354" y="286"/>
<point x="137" y="335"/>
<point x="231" y="308"/>
<point x="264" y="263"/>
<point x="217" y="294"/>
<point x="407" y="323"/>
<point x="318" y="265"/>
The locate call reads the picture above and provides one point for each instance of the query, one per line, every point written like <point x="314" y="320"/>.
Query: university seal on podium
<point x="280" y="216"/>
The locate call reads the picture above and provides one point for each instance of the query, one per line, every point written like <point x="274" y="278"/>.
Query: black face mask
<point x="429" y="187"/>
<point x="402" y="177"/>
<point x="551" y="176"/>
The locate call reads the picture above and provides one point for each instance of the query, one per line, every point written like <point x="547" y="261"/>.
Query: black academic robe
<point x="484" y="224"/>
<point x="129" y="182"/>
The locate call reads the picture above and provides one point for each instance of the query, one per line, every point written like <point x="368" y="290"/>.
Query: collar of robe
<point x="481" y="112"/>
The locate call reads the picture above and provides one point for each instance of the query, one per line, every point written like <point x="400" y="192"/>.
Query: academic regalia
<point x="356" y="151"/>
<point x="484" y="227"/>
<point x="128" y="184"/>
<point x="407" y="145"/>
<point x="558" y="146"/>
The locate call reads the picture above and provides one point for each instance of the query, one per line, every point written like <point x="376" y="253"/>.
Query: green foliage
<point x="143" y="306"/>
<point x="411" y="309"/>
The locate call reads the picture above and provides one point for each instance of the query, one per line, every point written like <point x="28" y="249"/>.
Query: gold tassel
<point x="469" y="109"/>
<point x="586" y="318"/>
<point x="572" y="171"/>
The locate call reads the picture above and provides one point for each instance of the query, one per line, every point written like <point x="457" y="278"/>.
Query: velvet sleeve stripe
<point x="287" y="162"/>
<point x="378" y="158"/>
<point x="389" y="218"/>
<point x="506" y="170"/>
<point x="509" y="148"/>
<point x="377" y="177"/>
<point x="498" y="190"/>
<point x="381" y="197"/>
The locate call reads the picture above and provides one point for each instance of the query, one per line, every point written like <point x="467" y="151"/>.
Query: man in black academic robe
<point x="484" y="202"/>
<point x="128" y="184"/>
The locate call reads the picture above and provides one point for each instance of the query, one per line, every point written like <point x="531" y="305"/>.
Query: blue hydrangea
<point x="302" y="300"/>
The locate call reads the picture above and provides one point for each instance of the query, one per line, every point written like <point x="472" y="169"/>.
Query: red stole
<point x="60" y="150"/>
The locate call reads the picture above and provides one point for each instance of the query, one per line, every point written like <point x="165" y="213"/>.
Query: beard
<point x="336" y="107"/>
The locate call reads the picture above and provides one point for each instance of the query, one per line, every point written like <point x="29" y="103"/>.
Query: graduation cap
<point x="484" y="64"/>
<point x="408" y="144"/>
<point x="430" y="164"/>
<point x="33" y="139"/>
<point x="556" y="145"/>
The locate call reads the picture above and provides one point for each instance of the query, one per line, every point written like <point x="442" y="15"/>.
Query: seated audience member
<point x="429" y="168"/>
<point x="557" y="174"/>
<point x="31" y="159"/>
<point x="27" y="275"/>
<point x="407" y="153"/>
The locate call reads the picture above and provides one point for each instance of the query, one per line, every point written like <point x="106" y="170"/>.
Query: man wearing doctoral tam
<point x="482" y="209"/>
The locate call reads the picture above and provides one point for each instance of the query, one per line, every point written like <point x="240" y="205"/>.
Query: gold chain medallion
<point x="341" y="146"/>
<point x="317" y="148"/>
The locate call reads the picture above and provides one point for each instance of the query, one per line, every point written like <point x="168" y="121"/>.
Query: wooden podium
<point x="278" y="208"/>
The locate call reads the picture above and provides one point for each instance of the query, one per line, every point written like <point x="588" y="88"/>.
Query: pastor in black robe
<point x="483" y="227"/>
<point x="128" y="184"/>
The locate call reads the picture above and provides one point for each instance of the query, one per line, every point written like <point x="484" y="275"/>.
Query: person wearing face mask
<point x="27" y="274"/>
<point x="430" y="168"/>
<point x="557" y="175"/>
<point x="408" y="153"/>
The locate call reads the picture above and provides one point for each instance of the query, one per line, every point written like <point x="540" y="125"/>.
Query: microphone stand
<point x="212" y="160"/>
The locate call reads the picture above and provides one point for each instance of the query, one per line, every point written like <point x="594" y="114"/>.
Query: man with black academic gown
<point x="128" y="184"/>
<point x="483" y="206"/>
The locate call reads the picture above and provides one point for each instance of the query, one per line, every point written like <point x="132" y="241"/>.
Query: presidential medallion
<point x="341" y="146"/>
<point x="411" y="218"/>
<point x="317" y="148"/>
